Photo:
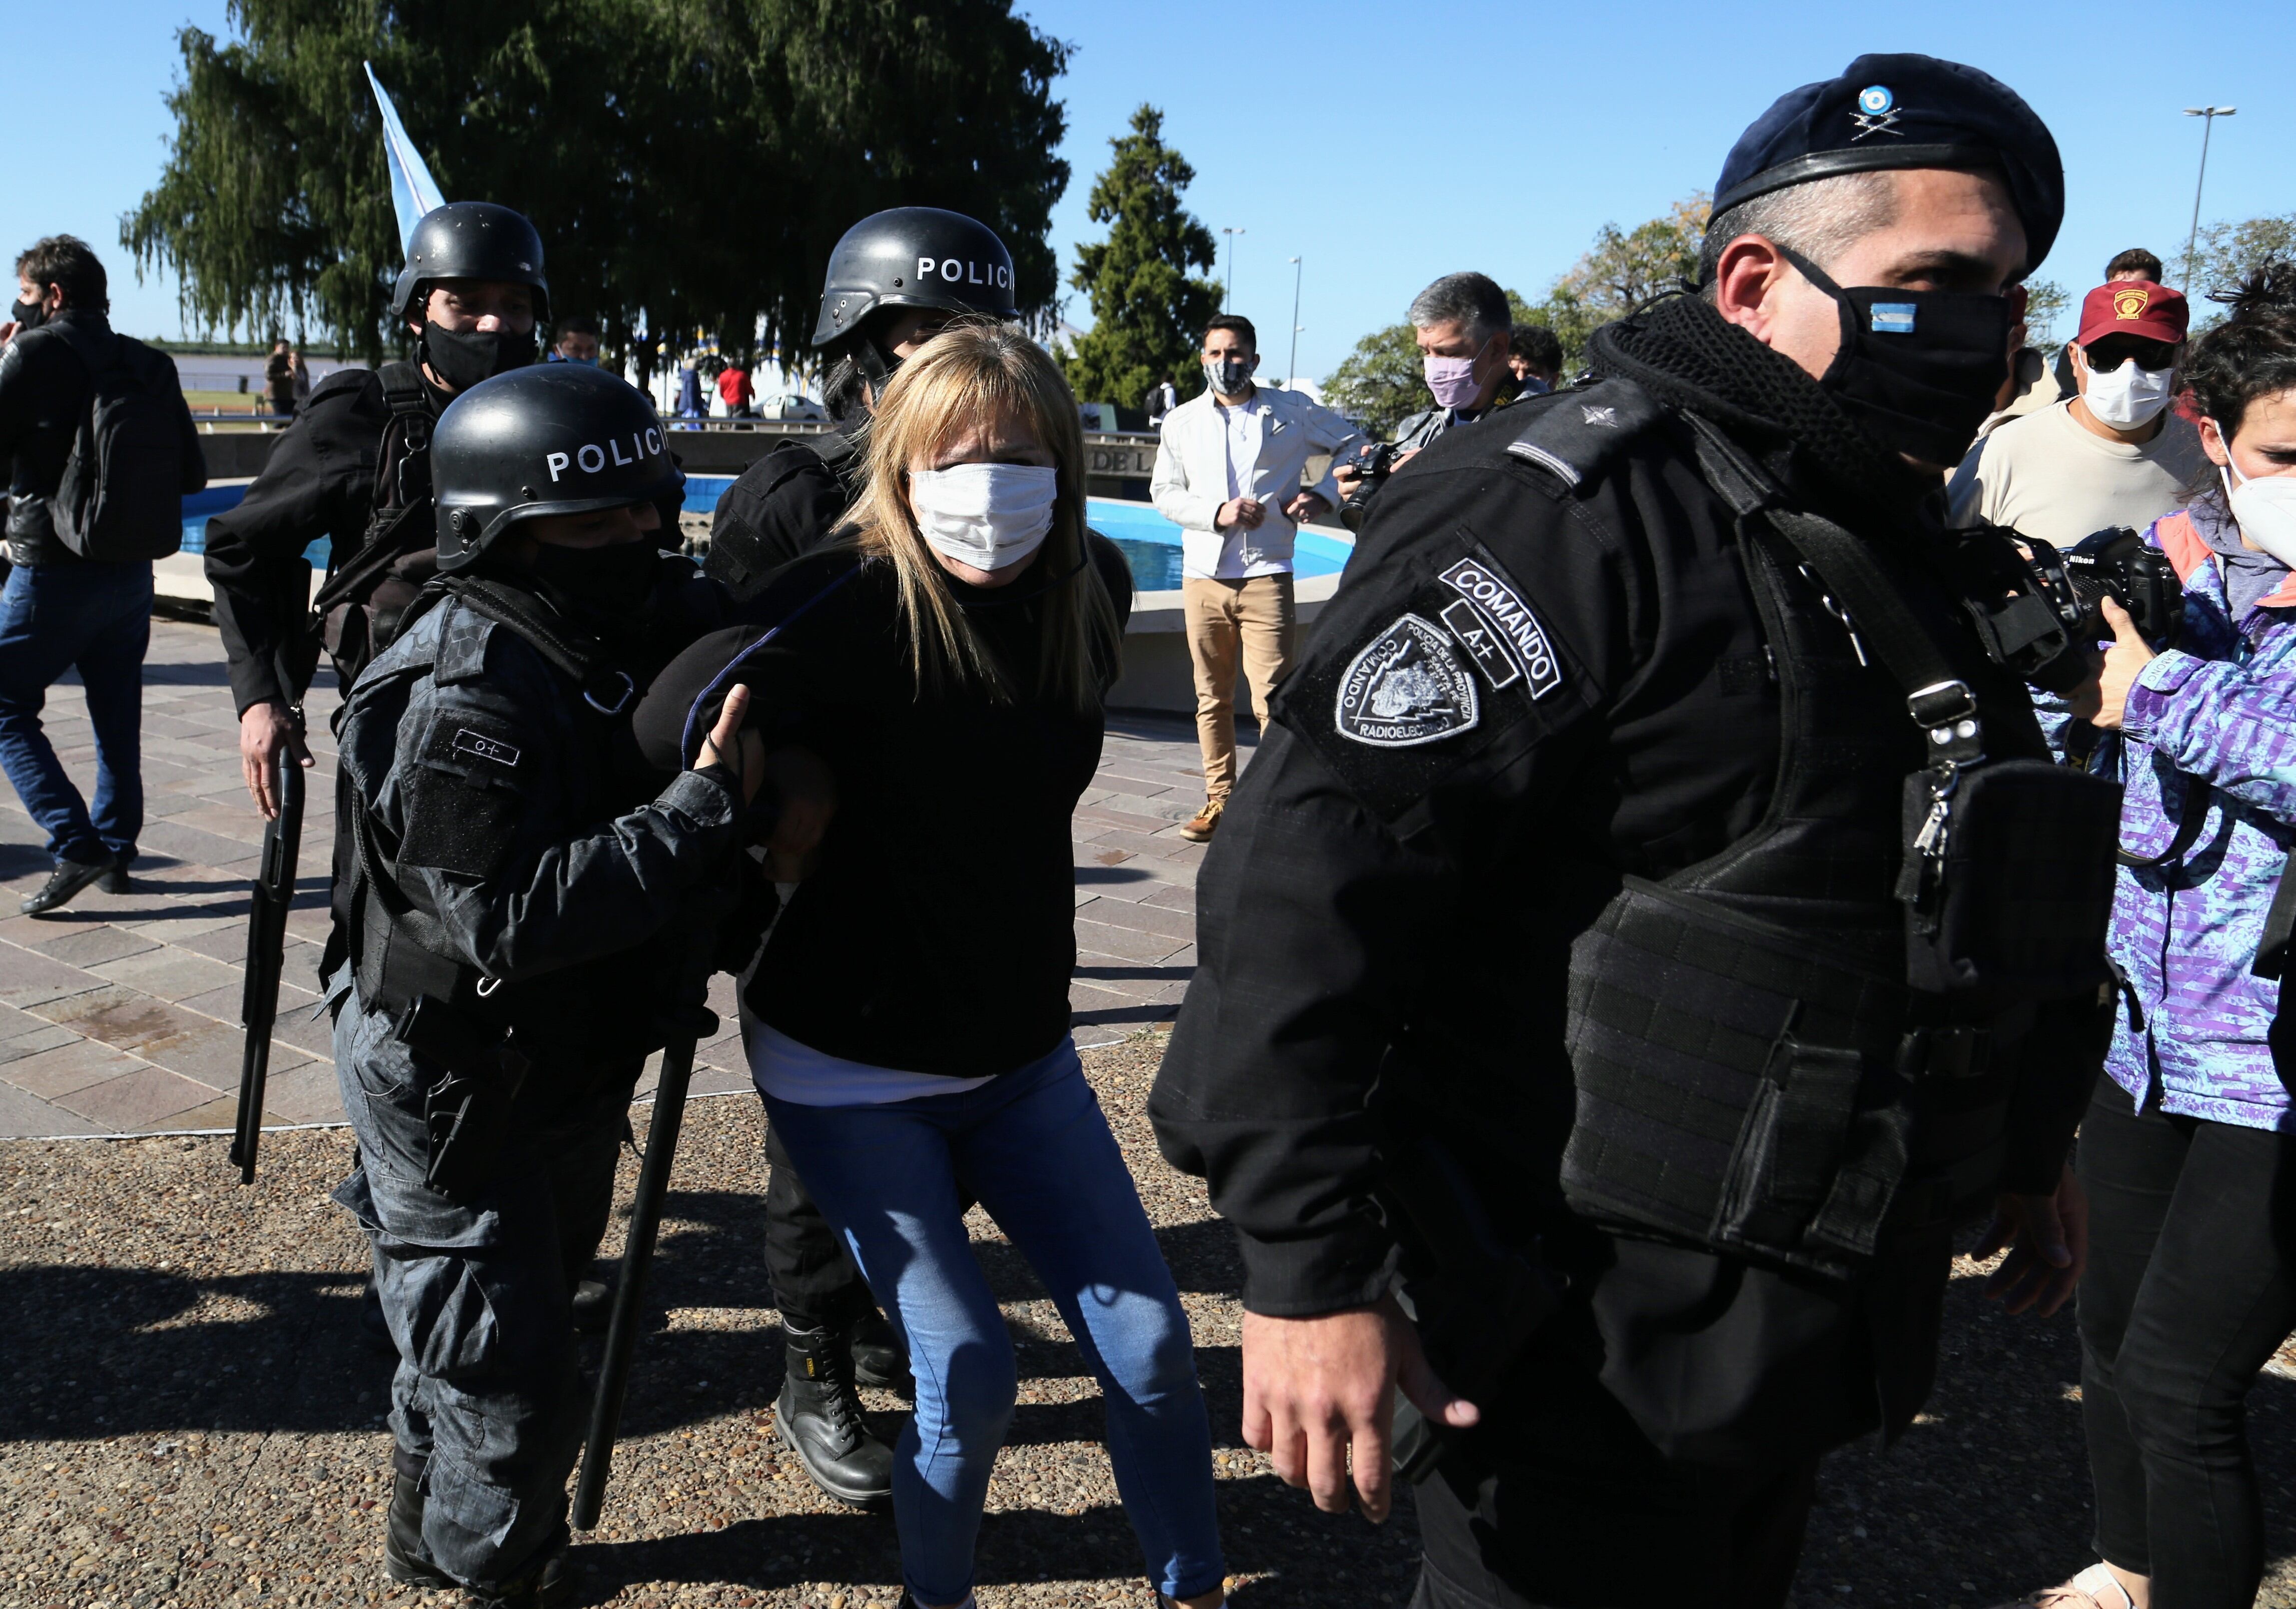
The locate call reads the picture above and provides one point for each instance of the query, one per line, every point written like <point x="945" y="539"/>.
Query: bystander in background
<point x="279" y="380"/>
<point x="1535" y="358"/>
<point x="77" y="597"/>
<point x="1162" y="398"/>
<point x="1228" y="474"/>
<point x="734" y="386"/>
<point x="2113" y="454"/>
<point x="577" y="342"/>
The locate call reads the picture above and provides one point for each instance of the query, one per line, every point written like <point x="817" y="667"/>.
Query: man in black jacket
<point x="61" y="611"/>
<point x="1669" y="1235"/>
<point x="354" y="470"/>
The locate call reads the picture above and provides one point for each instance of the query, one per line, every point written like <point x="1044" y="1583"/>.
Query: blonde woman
<point x="939" y="672"/>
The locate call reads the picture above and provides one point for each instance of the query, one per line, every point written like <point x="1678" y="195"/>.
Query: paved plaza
<point x="119" y="1014"/>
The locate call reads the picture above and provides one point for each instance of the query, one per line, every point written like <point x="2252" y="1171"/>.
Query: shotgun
<point x="267" y="949"/>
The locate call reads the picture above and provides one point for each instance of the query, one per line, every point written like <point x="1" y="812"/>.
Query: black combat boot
<point x="545" y="1584"/>
<point x="403" y="1558"/>
<point x="820" y="1417"/>
<point x="879" y="1358"/>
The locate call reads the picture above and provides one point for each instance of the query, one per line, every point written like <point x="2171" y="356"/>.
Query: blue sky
<point x="1385" y="144"/>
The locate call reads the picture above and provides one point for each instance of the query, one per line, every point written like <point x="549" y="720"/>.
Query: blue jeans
<point x="96" y="618"/>
<point x="1033" y="1147"/>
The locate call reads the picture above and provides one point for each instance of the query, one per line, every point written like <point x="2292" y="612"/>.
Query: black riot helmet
<point x="472" y="240"/>
<point x="913" y="256"/>
<point x="553" y="438"/>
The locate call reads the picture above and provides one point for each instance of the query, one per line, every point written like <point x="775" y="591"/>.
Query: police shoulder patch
<point x="1407" y="686"/>
<point x="1494" y="623"/>
<point x="1573" y="434"/>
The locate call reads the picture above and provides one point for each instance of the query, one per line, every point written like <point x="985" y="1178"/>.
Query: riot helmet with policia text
<point x="473" y="240"/>
<point x="908" y="257"/>
<point x="554" y="439"/>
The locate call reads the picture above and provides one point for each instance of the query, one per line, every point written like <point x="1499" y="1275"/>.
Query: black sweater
<point x="936" y="933"/>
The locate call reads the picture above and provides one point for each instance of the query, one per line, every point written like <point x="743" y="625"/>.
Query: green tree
<point x="1622" y="270"/>
<point x="2045" y="299"/>
<point x="689" y="163"/>
<point x="1148" y="312"/>
<point x="2228" y="253"/>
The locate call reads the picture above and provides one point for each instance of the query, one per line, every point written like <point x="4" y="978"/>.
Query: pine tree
<point x="1148" y="313"/>
<point x="689" y="163"/>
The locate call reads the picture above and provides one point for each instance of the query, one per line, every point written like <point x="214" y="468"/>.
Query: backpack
<point x="120" y="499"/>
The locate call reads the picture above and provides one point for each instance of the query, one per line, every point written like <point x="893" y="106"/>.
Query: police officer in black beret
<point x="896" y="280"/>
<point x="513" y="870"/>
<point x="1562" y="1047"/>
<point x="353" y="469"/>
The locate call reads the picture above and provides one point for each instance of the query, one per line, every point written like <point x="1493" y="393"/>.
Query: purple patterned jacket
<point x="2221" y="709"/>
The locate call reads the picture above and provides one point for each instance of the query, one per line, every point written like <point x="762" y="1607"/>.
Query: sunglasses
<point x="2109" y="352"/>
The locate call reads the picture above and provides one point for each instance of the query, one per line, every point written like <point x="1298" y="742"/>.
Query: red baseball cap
<point x="2134" y="307"/>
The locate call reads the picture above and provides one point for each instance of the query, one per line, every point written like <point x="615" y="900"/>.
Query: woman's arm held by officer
<point x="1319" y="1398"/>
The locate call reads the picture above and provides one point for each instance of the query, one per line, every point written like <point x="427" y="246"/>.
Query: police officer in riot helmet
<point x="353" y="469"/>
<point x="1594" y="1038"/>
<point x="514" y="871"/>
<point x="896" y="280"/>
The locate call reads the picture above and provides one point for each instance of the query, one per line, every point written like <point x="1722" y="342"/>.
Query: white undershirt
<point x="788" y="1071"/>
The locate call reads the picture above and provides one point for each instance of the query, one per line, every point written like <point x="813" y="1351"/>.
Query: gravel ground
<point x="195" y="1422"/>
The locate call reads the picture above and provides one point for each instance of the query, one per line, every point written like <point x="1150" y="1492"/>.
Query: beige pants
<point x="1249" y="619"/>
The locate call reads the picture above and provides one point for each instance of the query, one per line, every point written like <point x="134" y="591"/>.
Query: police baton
<point x="692" y="1018"/>
<point x="267" y="948"/>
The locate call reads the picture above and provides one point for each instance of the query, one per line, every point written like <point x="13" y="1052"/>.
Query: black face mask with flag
<point x="1918" y="370"/>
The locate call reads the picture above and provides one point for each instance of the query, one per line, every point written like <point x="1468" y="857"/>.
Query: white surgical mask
<point x="2264" y="506"/>
<point x="987" y="515"/>
<point x="2128" y="396"/>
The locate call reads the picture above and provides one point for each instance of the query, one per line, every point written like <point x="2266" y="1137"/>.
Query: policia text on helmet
<point x="896" y="280"/>
<point x="472" y="292"/>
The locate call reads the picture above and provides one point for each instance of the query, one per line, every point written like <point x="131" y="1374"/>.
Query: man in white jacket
<point x="1228" y="474"/>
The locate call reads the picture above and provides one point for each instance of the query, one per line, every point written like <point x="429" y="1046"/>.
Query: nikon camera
<point x="2115" y="563"/>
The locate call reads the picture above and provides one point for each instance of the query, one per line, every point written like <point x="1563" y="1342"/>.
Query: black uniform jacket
<point x="936" y="933"/>
<point x="785" y="505"/>
<point x="1385" y="918"/>
<point x="44" y="387"/>
<point x="319" y="481"/>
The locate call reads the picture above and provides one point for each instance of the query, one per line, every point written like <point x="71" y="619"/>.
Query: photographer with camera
<point x="2184" y="1153"/>
<point x="1466" y="347"/>
<point x="2112" y="454"/>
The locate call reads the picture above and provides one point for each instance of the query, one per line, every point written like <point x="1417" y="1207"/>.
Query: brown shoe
<point x="1205" y="824"/>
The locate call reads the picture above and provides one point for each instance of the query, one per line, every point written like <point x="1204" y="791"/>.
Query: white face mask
<point x="987" y="515"/>
<point x="2128" y="396"/>
<point x="2264" y="507"/>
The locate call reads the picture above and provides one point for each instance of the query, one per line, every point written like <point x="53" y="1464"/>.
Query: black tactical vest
<point x="1753" y="1073"/>
<point x="365" y="599"/>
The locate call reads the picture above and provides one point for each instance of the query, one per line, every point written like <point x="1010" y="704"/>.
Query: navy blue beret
<point x="1903" y="111"/>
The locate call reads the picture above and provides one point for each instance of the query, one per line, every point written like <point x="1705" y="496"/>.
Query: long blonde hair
<point x="968" y="374"/>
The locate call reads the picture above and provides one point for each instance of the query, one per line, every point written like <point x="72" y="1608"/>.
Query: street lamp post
<point x="1228" y="297"/>
<point x="1292" y="364"/>
<point x="2208" y="115"/>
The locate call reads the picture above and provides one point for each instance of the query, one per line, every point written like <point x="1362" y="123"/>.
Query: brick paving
<point x="119" y="1014"/>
